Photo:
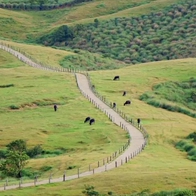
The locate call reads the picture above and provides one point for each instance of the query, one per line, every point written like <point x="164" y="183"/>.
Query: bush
<point x="3" y="154"/>
<point x="37" y="150"/>
<point x="6" y="85"/>
<point x="192" y="136"/>
<point x="14" y="107"/>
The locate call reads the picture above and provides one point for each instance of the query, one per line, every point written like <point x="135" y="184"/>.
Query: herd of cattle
<point x="92" y="120"/>
<point x="128" y="102"/>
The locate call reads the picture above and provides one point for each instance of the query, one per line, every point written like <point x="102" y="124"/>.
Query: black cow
<point x="87" y="119"/>
<point x="138" y="122"/>
<point x="116" y="78"/>
<point x="55" y="107"/>
<point x="124" y="93"/>
<point x="92" y="121"/>
<point x="128" y="102"/>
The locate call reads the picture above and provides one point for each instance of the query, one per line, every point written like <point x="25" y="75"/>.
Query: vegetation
<point x="15" y="159"/>
<point x="90" y="191"/>
<point x="39" y="4"/>
<point x="160" y="166"/>
<point x="26" y="112"/>
<point x="188" y="145"/>
<point x="170" y="94"/>
<point x="85" y="60"/>
<point x="154" y="37"/>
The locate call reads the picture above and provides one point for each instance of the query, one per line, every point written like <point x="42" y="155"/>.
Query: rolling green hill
<point x="158" y="36"/>
<point x="103" y="35"/>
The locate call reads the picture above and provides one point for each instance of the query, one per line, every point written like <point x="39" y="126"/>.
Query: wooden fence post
<point x="64" y="177"/>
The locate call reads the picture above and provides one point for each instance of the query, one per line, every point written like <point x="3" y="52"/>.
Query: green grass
<point x="159" y="167"/>
<point x="154" y="37"/>
<point x="165" y="166"/>
<point x="26" y="112"/>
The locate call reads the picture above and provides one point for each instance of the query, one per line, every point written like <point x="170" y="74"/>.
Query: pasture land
<point x="160" y="166"/>
<point x="34" y="92"/>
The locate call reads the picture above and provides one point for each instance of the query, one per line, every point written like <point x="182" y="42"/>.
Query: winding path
<point x="137" y="139"/>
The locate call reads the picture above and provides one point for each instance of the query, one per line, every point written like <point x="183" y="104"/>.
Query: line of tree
<point x="40" y="5"/>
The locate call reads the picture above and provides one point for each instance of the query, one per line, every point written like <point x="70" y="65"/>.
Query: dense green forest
<point x="158" y="36"/>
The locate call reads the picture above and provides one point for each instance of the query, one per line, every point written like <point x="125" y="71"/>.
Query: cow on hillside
<point x="128" y="102"/>
<point x="116" y="78"/>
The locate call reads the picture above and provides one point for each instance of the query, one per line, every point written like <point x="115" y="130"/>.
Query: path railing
<point x="104" y="164"/>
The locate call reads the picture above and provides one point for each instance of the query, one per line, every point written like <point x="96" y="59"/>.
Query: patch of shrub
<point x="33" y="152"/>
<point x="3" y="154"/>
<point x="177" y="192"/>
<point x="192" y="136"/>
<point x="28" y="173"/>
<point x="6" y="85"/>
<point x="187" y="146"/>
<point x="14" y="107"/>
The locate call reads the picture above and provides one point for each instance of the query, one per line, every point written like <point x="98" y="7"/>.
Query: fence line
<point x="99" y="166"/>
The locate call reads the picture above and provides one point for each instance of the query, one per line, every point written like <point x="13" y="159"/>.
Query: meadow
<point x="70" y="142"/>
<point x="161" y="166"/>
<point x="33" y="93"/>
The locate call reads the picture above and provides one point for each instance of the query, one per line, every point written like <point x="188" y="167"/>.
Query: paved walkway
<point x="137" y="140"/>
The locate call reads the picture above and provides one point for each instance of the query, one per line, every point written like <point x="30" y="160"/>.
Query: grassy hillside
<point x="26" y="25"/>
<point x="161" y="166"/>
<point x="27" y="113"/>
<point x="158" y="36"/>
<point x="129" y="32"/>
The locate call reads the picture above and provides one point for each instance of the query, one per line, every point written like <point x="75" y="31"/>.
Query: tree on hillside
<point x="63" y="33"/>
<point x="39" y="2"/>
<point x="16" y="159"/>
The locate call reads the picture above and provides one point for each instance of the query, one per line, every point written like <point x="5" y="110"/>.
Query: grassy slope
<point x="41" y="125"/>
<point x="32" y="23"/>
<point x="45" y="55"/>
<point x="161" y="166"/>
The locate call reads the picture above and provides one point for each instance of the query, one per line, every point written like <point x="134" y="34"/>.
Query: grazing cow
<point x="114" y="105"/>
<point x="55" y="107"/>
<point x="92" y="121"/>
<point x="124" y="93"/>
<point x="138" y="122"/>
<point x="87" y="119"/>
<point x="128" y="102"/>
<point x="116" y="78"/>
